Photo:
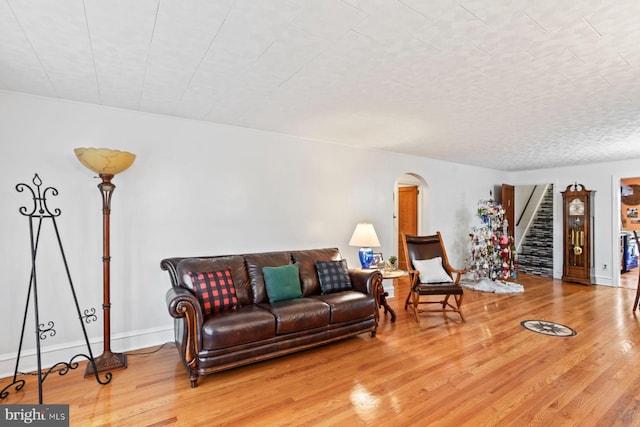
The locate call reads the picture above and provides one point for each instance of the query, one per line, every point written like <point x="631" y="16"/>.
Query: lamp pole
<point x="108" y="360"/>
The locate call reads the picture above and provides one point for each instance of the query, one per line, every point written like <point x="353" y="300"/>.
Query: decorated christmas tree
<point x="492" y="252"/>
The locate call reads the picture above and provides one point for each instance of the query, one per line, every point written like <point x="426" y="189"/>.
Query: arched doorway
<point x="411" y="196"/>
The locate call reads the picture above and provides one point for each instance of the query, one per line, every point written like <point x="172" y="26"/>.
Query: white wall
<point x="194" y="189"/>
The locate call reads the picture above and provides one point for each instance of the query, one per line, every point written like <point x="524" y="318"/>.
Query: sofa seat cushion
<point x="348" y="305"/>
<point x="247" y="324"/>
<point x="298" y="314"/>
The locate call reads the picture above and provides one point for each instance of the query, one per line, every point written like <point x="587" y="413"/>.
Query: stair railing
<point x="526" y="205"/>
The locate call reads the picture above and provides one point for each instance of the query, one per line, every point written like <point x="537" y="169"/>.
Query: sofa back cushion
<point x="306" y="261"/>
<point x="255" y="263"/>
<point x="235" y="263"/>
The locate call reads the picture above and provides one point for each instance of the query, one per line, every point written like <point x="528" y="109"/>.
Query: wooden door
<point x="407" y="218"/>
<point x="508" y="204"/>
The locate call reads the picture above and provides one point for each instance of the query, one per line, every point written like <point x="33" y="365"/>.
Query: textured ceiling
<point x="510" y="85"/>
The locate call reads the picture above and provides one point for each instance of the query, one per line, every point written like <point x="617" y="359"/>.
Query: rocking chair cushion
<point x="431" y="270"/>
<point x="437" y="289"/>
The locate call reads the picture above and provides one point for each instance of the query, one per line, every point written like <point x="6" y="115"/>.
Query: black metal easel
<point x="37" y="215"/>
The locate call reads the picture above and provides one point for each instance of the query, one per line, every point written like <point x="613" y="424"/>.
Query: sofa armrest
<point x="186" y="309"/>
<point x="366" y="281"/>
<point x="171" y="266"/>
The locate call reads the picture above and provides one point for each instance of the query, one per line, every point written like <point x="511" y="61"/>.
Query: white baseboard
<point x="603" y="280"/>
<point x="64" y="352"/>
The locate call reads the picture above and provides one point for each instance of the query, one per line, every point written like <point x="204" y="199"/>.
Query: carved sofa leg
<point x="193" y="377"/>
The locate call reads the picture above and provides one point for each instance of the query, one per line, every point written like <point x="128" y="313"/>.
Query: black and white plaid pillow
<point x="333" y="276"/>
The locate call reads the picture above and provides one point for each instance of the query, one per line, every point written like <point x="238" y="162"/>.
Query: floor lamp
<point x="106" y="163"/>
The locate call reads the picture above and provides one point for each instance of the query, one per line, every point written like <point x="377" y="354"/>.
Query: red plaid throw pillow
<point x="215" y="291"/>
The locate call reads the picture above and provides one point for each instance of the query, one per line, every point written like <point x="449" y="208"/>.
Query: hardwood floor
<point x="629" y="279"/>
<point x="488" y="371"/>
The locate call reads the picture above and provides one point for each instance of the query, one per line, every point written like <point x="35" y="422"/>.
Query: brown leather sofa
<point x="257" y="329"/>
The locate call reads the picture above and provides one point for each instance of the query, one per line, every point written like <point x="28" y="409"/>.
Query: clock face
<point x="576" y="207"/>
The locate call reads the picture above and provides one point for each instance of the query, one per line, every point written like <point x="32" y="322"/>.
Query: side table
<point x="382" y="294"/>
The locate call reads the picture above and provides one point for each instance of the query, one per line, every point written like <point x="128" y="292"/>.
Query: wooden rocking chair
<point x="431" y="275"/>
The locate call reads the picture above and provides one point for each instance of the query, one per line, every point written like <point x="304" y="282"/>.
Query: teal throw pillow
<point x="283" y="283"/>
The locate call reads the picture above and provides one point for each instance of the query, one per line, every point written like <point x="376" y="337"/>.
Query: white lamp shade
<point x="364" y="236"/>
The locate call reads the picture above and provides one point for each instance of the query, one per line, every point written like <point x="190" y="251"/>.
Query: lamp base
<point x="366" y="257"/>
<point x="106" y="362"/>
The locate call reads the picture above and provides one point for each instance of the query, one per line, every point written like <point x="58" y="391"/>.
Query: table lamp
<point x="365" y="236"/>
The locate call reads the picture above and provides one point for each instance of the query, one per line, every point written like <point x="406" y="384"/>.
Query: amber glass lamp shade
<point x="104" y="160"/>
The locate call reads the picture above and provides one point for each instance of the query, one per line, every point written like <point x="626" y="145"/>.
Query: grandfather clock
<point x="577" y="234"/>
